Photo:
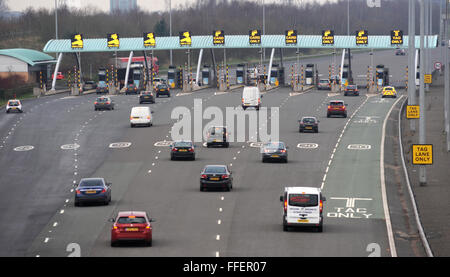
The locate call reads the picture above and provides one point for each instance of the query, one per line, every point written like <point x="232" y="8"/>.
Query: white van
<point x="251" y="97"/>
<point x="302" y="207"/>
<point x="141" y="116"/>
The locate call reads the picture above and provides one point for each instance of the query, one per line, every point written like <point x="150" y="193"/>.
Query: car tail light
<point x="285" y="205"/>
<point x="115" y="227"/>
<point x="103" y="190"/>
<point x="204" y="176"/>
<point x="131" y="118"/>
<point x="175" y="149"/>
<point x="95" y="103"/>
<point x="135" y="88"/>
<point x="148" y="226"/>
<point x="283" y="151"/>
<point x="259" y="100"/>
<point x="321" y="206"/>
<point x="191" y="149"/>
<point x="329" y="107"/>
<point x="78" y="191"/>
<point x="225" y="176"/>
<point x="148" y="117"/>
<point x="242" y="100"/>
<point x="107" y="103"/>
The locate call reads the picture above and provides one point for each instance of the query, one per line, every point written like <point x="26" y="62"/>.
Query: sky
<point x="148" y="5"/>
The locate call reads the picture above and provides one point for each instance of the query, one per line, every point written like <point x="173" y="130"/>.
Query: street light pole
<point x="56" y="19"/>
<point x="422" y="169"/>
<point x="170" y="29"/>
<point x="447" y="78"/>
<point x="264" y="27"/>
<point x="411" y="60"/>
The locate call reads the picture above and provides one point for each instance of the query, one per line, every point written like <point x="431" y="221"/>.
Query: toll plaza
<point x="254" y="40"/>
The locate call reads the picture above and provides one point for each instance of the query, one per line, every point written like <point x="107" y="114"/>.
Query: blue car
<point x="93" y="190"/>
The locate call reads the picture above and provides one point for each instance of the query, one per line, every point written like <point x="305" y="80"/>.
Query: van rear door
<point x="303" y="208"/>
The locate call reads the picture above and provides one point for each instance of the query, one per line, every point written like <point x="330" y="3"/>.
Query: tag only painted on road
<point x="412" y="111"/>
<point x="351" y="209"/>
<point x="422" y="154"/>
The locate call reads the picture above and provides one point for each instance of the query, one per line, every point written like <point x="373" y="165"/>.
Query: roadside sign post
<point x="422" y="132"/>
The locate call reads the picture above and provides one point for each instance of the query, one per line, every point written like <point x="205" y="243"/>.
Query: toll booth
<point x="382" y="76"/>
<point x="281" y="78"/>
<point x="274" y="75"/>
<point x="206" y="79"/>
<point x="310" y="74"/>
<point x="344" y="79"/>
<point x="240" y="74"/>
<point x="172" y="76"/>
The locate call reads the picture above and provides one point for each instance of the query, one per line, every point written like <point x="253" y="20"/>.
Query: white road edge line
<point x="411" y="194"/>
<point x="383" y="185"/>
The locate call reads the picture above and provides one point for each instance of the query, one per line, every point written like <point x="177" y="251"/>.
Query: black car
<point x="162" y="89"/>
<point x="104" y="103"/>
<point x="146" y="97"/>
<point x="309" y="123"/>
<point x="274" y="151"/>
<point x="182" y="149"/>
<point x="351" y="90"/>
<point x="216" y="177"/>
<point x="92" y="190"/>
<point x="131" y="89"/>
<point x="89" y="85"/>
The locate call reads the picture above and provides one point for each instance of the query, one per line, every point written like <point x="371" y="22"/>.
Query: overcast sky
<point x="149" y="5"/>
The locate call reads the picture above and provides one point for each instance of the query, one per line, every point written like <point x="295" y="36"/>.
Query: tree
<point x="161" y="28"/>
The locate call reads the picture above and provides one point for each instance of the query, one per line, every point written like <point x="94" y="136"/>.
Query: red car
<point x="337" y="107"/>
<point x="131" y="226"/>
<point x="59" y="76"/>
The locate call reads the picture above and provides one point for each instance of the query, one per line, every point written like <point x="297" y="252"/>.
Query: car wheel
<point x="264" y="160"/>
<point x="300" y="130"/>
<point x="286" y="161"/>
<point x="193" y="158"/>
<point x="113" y="244"/>
<point x="20" y="111"/>
<point x="227" y="144"/>
<point x="7" y="111"/>
<point x="320" y="228"/>
<point x="285" y="228"/>
<point x="132" y="125"/>
<point x="328" y="115"/>
<point x="208" y="145"/>
<point x="202" y="188"/>
<point x="77" y="204"/>
<point x="317" y="130"/>
<point x="148" y="243"/>
<point x="172" y="158"/>
<point x="345" y="115"/>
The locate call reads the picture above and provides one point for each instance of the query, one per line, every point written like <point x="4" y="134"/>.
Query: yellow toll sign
<point x="362" y="37"/>
<point x="327" y="37"/>
<point x="185" y="38"/>
<point x="428" y="78"/>
<point x="412" y="111"/>
<point x="422" y="154"/>
<point x="149" y="40"/>
<point x="113" y="40"/>
<point x="219" y="37"/>
<point x="396" y="37"/>
<point x="291" y="37"/>
<point x="254" y="36"/>
<point x="77" y="41"/>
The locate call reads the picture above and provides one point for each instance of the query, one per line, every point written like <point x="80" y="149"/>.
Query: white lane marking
<point x="218" y="237"/>
<point x="70" y="146"/>
<point x="359" y="146"/>
<point x="46" y="240"/>
<point x="24" y="148"/>
<point x="383" y="185"/>
<point x="120" y="145"/>
<point x="220" y="209"/>
<point x="61" y="211"/>
<point x="307" y="145"/>
<point x="219" y="221"/>
<point x="217" y="254"/>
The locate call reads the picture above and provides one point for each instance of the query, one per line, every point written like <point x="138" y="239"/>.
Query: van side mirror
<point x="324" y="198"/>
<point x="111" y="220"/>
<point x="108" y="184"/>
<point x="281" y="198"/>
<point x="152" y="112"/>
<point x="346" y="104"/>
<point x="151" y="220"/>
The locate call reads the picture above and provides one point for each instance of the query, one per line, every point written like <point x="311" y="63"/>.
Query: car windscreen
<point x="91" y="183"/>
<point x="182" y="144"/>
<point x="303" y="200"/>
<point x="131" y="220"/>
<point x="215" y="169"/>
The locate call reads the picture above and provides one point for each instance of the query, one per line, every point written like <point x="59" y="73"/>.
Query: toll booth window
<point x="303" y="200"/>
<point x="309" y="73"/>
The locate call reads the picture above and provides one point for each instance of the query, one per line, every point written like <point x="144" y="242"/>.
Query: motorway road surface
<point x="38" y="217"/>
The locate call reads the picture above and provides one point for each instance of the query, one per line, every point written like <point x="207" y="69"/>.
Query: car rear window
<point x="303" y="200"/>
<point x="182" y="144"/>
<point x="324" y="81"/>
<point x="102" y="99"/>
<point x="351" y="87"/>
<point x="309" y="120"/>
<point x="216" y="130"/>
<point x="13" y="103"/>
<point x="387" y="88"/>
<point x="215" y="169"/>
<point x="336" y="103"/>
<point x="274" y="145"/>
<point x="91" y="183"/>
<point x="131" y="220"/>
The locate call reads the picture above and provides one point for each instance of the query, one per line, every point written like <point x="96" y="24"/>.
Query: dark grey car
<point x="182" y="149"/>
<point x="308" y="123"/>
<point x="93" y="190"/>
<point x="104" y="103"/>
<point x="274" y="151"/>
<point x="217" y="135"/>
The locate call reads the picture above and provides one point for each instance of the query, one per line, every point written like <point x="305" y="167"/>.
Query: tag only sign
<point x="422" y="154"/>
<point x="412" y="111"/>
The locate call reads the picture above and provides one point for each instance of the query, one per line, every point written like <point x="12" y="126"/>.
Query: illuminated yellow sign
<point x="362" y="37"/>
<point x="291" y="37"/>
<point x="219" y="37"/>
<point x="185" y="38"/>
<point x="396" y="37"/>
<point x="327" y="37"/>
<point x="422" y="154"/>
<point x="412" y="111"/>
<point x="255" y="36"/>
<point x="149" y="40"/>
<point x="428" y="78"/>
<point x="113" y="40"/>
<point x="77" y="41"/>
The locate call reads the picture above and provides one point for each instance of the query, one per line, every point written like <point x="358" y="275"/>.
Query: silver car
<point x="217" y="135"/>
<point x="274" y="151"/>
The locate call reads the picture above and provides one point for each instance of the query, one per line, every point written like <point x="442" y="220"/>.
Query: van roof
<point x="308" y="190"/>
